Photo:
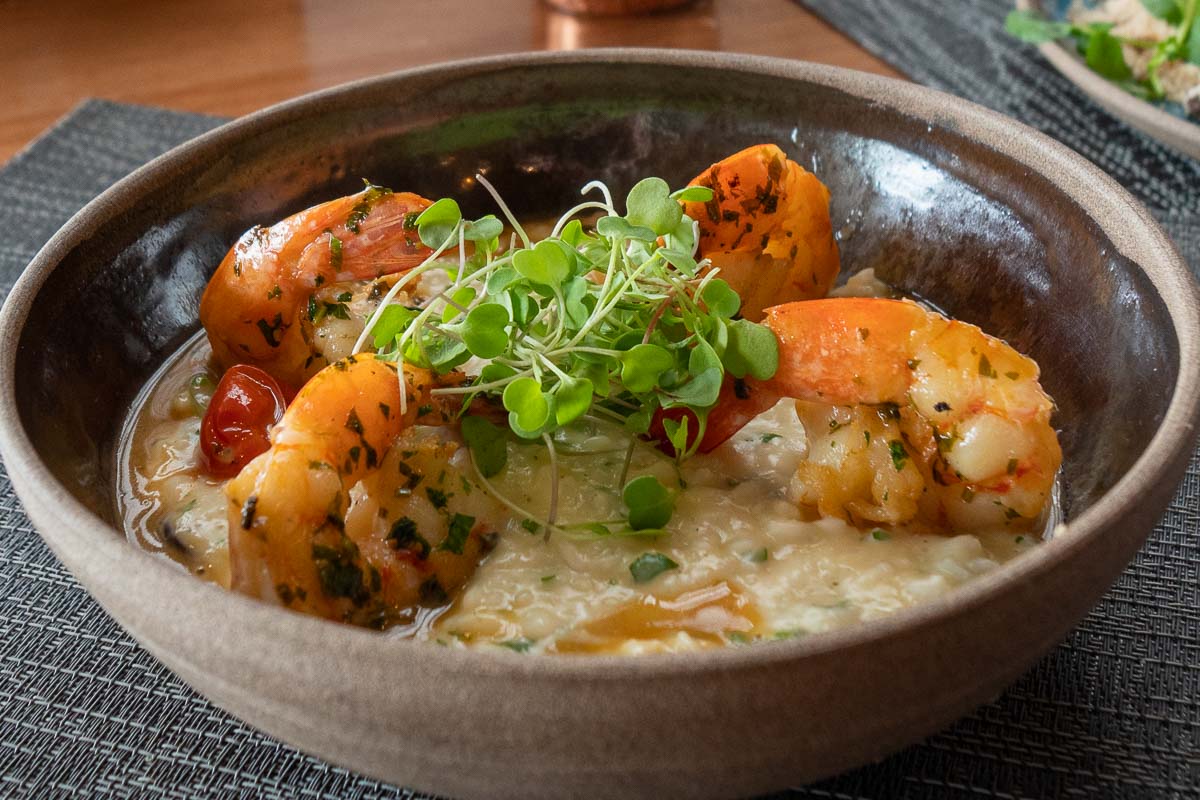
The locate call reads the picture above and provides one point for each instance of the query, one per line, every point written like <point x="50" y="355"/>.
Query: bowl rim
<point x="1132" y="230"/>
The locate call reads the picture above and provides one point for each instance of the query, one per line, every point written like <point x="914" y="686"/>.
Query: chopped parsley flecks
<point x="339" y="572"/>
<point x="758" y="556"/>
<point x="456" y="535"/>
<point x="403" y="535"/>
<point x="437" y="497"/>
<point x="649" y="566"/>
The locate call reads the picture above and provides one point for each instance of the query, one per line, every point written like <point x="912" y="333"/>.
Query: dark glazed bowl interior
<point x="934" y="213"/>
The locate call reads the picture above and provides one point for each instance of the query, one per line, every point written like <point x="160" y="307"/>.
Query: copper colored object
<point x="693" y="25"/>
<point x="615" y="8"/>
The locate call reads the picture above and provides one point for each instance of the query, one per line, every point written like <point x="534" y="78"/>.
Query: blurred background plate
<point x="1164" y="121"/>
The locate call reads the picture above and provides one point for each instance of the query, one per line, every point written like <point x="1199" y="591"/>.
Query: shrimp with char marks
<point x="299" y="535"/>
<point x="259" y="309"/>
<point x="767" y="228"/>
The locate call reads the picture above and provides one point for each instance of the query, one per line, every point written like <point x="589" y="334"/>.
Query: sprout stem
<point x="552" y="517"/>
<point x="512" y="220"/>
<point x="496" y="493"/>
<point x="565" y="218"/>
<point x="396" y="287"/>
<point x="587" y="187"/>
<point x="628" y="461"/>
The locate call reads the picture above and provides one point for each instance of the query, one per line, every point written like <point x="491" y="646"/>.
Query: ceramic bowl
<point x="995" y="223"/>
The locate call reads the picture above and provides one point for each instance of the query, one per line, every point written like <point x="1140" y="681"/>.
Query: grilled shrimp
<point x="407" y="535"/>
<point x="909" y="415"/>
<point x="767" y="227"/>
<point x="258" y="308"/>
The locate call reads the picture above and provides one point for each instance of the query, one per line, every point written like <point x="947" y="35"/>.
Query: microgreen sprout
<point x="619" y="321"/>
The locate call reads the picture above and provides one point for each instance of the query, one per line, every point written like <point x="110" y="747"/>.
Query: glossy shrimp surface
<point x="911" y="415"/>
<point x="257" y="306"/>
<point x="294" y="538"/>
<point x="767" y="227"/>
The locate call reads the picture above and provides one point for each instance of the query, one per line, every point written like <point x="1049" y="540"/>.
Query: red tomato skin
<point x="738" y="403"/>
<point x="236" y="426"/>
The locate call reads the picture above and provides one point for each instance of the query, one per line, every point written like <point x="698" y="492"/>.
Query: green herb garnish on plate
<point x="1104" y="51"/>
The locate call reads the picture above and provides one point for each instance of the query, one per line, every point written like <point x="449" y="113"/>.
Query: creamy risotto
<point x="750" y="564"/>
<point x="653" y="431"/>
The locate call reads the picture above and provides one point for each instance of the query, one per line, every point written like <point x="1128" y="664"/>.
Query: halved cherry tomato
<point x="246" y="403"/>
<point x="738" y="403"/>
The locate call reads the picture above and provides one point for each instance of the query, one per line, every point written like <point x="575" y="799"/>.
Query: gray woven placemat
<point x="85" y="712"/>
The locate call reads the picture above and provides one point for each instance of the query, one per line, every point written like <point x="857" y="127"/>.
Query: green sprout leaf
<point x="683" y="238"/>
<point x="679" y="259"/>
<point x="527" y="405"/>
<point x="677" y="433"/>
<point x="572" y="400"/>
<point x="705" y="385"/>
<point x="519" y="304"/>
<point x="572" y="257"/>
<point x="514" y="422"/>
<point x="484" y="331"/>
<point x="594" y="531"/>
<point x="495" y="372"/>
<point x="547" y="263"/>
<point x="488" y="444"/>
<point x="721" y="300"/>
<point x="650" y="503"/>
<point x="572" y="233"/>
<point x="752" y="350"/>
<point x="483" y="229"/>
<point x="718" y="335"/>
<point x="650" y="205"/>
<point x="619" y="228"/>
<point x="649" y="566"/>
<point x="700" y="392"/>
<point x="444" y="352"/>
<point x="693" y="194"/>
<point x="500" y="280"/>
<point x="391" y="323"/>
<point x="639" y="421"/>
<point x="641" y="366"/>
<point x="573" y="301"/>
<point x="703" y="357"/>
<point x="462" y="296"/>
<point x="439" y="222"/>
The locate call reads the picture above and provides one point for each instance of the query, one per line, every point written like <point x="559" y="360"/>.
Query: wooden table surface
<point x="230" y="57"/>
